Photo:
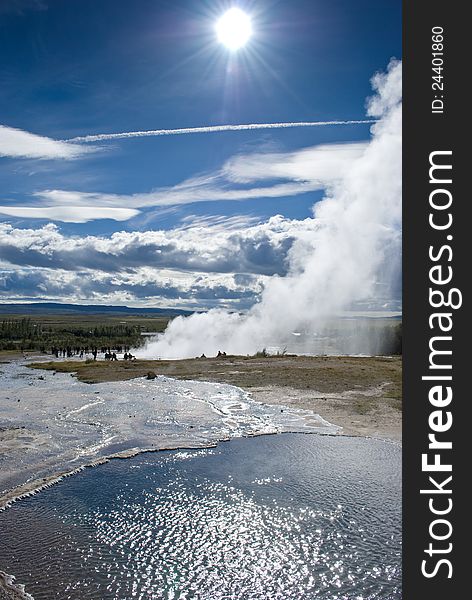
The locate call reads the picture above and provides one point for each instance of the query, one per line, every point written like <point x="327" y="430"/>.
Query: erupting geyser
<point x="354" y="254"/>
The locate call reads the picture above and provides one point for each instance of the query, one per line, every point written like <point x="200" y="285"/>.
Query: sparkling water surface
<point x="288" y="516"/>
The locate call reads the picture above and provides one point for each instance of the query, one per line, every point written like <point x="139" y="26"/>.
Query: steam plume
<point x="355" y="248"/>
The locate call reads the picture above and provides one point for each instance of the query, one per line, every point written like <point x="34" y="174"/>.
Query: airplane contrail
<point x="211" y="129"/>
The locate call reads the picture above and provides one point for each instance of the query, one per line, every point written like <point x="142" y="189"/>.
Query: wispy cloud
<point x="17" y="143"/>
<point x="69" y="214"/>
<point x="320" y="165"/>
<point x="101" y="137"/>
<point x="240" y="178"/>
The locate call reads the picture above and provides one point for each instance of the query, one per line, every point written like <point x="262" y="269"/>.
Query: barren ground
<point x="362" y="394"/>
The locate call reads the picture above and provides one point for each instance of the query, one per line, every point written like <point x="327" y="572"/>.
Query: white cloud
<point x="218" y="245"/>
<point x="17" y="143"/>
<point x="143" y="287"/>
<point x="388" y="88"/>
<point x="212" y="262"/>
<point x="69" y="214"/>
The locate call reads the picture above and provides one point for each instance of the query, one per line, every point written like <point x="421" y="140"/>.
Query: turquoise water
<point x="289" y="516"/>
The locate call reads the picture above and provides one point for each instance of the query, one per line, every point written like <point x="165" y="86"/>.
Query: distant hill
<point x="45" y="308"/>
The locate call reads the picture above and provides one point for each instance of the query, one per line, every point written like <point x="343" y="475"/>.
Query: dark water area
<point x="288" y="516"/>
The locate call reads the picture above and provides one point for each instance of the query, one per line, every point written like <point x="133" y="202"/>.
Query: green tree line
<point x="27" y="334"/>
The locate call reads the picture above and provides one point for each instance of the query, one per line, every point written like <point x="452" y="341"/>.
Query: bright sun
<point x="234" y="28"/>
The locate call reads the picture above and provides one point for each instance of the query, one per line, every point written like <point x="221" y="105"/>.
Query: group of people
<point x="64" y="352"/>
<point x="81" y="352"/>
<point x="112" y="356"/>
<point x="69" y="351"/>
<point x="217" y="356"/>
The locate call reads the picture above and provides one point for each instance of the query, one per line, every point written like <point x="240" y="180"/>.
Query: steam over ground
<point x="353" y="255"/>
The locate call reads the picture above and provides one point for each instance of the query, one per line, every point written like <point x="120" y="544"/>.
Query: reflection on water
<point x="290" y="516"/>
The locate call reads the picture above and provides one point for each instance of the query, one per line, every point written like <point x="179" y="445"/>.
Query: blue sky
<point x="73" y="68"/>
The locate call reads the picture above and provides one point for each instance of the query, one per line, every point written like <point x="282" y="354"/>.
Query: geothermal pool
<point x="52" y="423"/>
<point x="273" y="517"/>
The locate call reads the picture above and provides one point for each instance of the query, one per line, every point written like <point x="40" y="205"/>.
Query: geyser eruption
<point x="353" y="256"/>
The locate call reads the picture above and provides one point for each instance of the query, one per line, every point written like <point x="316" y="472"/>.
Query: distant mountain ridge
<point x="38" y="308"/>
